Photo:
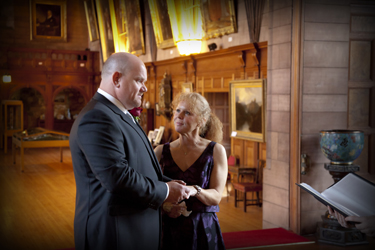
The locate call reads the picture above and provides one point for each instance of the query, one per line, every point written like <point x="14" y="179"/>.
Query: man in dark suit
<point x="120" y="186"/>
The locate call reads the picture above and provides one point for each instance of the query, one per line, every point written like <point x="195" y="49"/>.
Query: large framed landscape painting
<point x="247" y="109"/>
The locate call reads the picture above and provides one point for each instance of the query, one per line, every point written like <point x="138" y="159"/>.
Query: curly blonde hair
<point x="213" y="128"/>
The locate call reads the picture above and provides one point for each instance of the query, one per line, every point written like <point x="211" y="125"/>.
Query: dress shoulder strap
<point x="166" y="149"/>
<point x="211" y="145"/>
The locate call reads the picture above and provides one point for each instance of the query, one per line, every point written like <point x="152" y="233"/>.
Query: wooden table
<point x="38" y="138"/>
<point x="241" y="170"/>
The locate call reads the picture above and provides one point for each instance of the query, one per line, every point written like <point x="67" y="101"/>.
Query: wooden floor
<point x="37" y="206"/>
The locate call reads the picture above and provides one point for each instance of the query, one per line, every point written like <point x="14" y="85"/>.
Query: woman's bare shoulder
<point x="174" y="143"/>
<point x="219" y="149"/>
<point x="158" y="151"/>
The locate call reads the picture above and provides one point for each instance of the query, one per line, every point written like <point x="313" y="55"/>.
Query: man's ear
<point x="116" y="78"/>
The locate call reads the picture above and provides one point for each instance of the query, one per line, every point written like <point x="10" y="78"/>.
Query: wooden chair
<point x="245" y="187"/>
<point x="231" y="162"/>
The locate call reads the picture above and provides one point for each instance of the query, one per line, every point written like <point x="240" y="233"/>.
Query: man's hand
<point x="177" y="192"/>
<point x="340" y="218"/>
<point x="176" y="210"/>
<point x="365" y="224"/>
<point x="180" y="181"/>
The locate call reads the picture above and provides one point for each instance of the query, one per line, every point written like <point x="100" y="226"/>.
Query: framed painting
<point x="161" y="23"/>
<point x="159" y="135"/>
<point x="127" y="26"/>
<point x="155" y="134"/>
<point x="218" y="17"/>
<point x="150" y="135"/>
<point x="120" y="36"/>
<point x="187" y="87"/>
<point x="105" y="28"/>
<point x="48" y="20"/>
<point x="247" y="109"/>
<point x="92" y="23"/>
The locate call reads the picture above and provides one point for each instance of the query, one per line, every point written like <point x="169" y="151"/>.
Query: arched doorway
<point x="34" y="107"/>
<point x="67" y="104"/>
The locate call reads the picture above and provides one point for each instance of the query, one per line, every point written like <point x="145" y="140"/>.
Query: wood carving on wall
<point x="165" y="97"/>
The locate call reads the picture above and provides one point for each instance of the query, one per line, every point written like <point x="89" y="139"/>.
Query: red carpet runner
<point x="256" y="238"/>
<point x="264" y="237"/>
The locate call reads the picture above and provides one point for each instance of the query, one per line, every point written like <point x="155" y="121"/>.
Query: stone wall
<point x="337" y="92"/>
<point x="276" y="174"/>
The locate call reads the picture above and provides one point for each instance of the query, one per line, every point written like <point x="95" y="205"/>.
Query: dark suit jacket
<point x="119" y="182"/>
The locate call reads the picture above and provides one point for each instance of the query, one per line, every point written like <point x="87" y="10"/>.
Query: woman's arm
<point x="158" y="151"/>
<point x="212" y="196"/>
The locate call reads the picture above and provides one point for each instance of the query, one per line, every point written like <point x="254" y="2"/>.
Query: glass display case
<point x="38" y="138"/>
<point x="11" y="120"/>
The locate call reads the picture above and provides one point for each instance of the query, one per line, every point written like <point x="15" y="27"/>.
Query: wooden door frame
<point x="295" y="120"/>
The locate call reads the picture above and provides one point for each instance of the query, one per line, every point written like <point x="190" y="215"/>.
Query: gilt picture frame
<point x="105" y="28"/>
<point x="187" y="87"/>
<point x="159" y="135"/>
<point x="247" y="109"/>
<point x="150" y="135"/>
<point x="48" y="20"/>
<point x="134" y="27"/>
<point x="161" y="24"/>
<point x="92" y="23"/>
<point x="218" y="18"/>
<point x="127" y="26"/>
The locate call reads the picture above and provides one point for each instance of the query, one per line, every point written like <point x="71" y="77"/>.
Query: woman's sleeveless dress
<point x="201" y="230"/>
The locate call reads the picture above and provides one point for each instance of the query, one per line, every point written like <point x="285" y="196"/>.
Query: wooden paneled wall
<point x="49" y="72"/>
<point x="212" y="72"/>
<point x="15" y="27"/>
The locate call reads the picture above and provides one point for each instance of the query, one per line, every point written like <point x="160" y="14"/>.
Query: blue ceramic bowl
<point x="341" y="146"/>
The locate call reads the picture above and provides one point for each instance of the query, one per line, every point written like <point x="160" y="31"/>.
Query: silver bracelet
<point x="198" y="188"/>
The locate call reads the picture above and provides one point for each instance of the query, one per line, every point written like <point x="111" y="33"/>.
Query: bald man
<point x="120" y="186"/>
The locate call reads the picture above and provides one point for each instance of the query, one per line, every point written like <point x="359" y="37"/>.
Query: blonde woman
<point x="197" y="158"/>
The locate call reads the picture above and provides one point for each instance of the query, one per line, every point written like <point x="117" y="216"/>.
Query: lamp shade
<point x="189" y="47"/>
<point x="186" y="21"/>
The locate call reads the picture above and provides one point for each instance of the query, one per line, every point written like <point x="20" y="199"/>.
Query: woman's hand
<point x="193" y="191"/>
<point x="175" y="210"/>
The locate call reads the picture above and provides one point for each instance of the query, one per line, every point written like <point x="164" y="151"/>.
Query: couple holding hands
<point x="132" y="197"/>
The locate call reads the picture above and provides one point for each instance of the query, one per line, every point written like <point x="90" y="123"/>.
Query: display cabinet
<point x="11" y="120"/>
<point x="38" y="138"/>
